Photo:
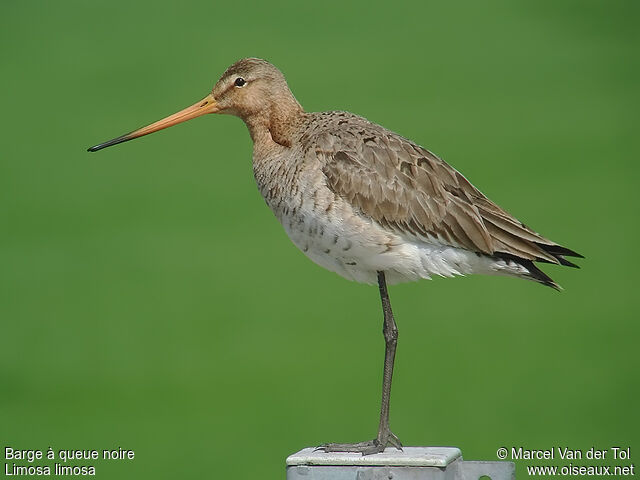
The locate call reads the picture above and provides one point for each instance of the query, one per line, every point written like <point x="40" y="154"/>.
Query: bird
<point x="366" y="203"/>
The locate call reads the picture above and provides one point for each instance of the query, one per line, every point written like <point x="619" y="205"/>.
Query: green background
<point x="150" y="300"/>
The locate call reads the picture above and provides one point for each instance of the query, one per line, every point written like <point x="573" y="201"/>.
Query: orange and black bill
<point x="207" y="105"/>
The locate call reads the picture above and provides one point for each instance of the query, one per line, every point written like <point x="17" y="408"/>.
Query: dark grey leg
<point x="390" y="331"/>
<point x="385" y="435"/>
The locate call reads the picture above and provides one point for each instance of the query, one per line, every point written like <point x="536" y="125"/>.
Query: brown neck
<point x="277" y="122"/>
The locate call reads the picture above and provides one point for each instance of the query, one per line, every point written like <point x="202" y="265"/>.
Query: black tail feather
<point x="538" y="275"/>
<point x="557" y="250"/>
<point x="534" y="272"/>
<point x="566" y="263"/>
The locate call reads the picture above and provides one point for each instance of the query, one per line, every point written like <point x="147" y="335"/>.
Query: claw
<point x="394" y="441"/>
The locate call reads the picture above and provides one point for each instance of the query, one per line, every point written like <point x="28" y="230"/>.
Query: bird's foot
<point x="376" y="445"/>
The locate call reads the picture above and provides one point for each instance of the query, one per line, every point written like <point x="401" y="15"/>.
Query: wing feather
<point x="412" y="191"/>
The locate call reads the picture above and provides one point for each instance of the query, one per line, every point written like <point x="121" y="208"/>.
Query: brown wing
<point x="410" y="190"/>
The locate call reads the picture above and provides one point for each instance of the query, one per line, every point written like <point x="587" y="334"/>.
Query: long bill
<point x="207" y="105"/>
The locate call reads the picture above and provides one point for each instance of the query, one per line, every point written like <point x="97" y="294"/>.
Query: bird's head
<point x="249" y="88"/>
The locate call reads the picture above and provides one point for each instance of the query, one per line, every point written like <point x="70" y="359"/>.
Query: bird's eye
<point x="240" y="82"/>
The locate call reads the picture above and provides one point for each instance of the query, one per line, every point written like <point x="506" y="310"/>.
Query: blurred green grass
<point x="150" y="300"/>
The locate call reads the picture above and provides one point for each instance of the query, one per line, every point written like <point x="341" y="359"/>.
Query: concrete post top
<point x="407" y="457"/>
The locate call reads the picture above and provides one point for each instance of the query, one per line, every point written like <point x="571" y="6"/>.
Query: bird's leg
<point x="390" y="330"/>
<point x="385" y="435"/>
